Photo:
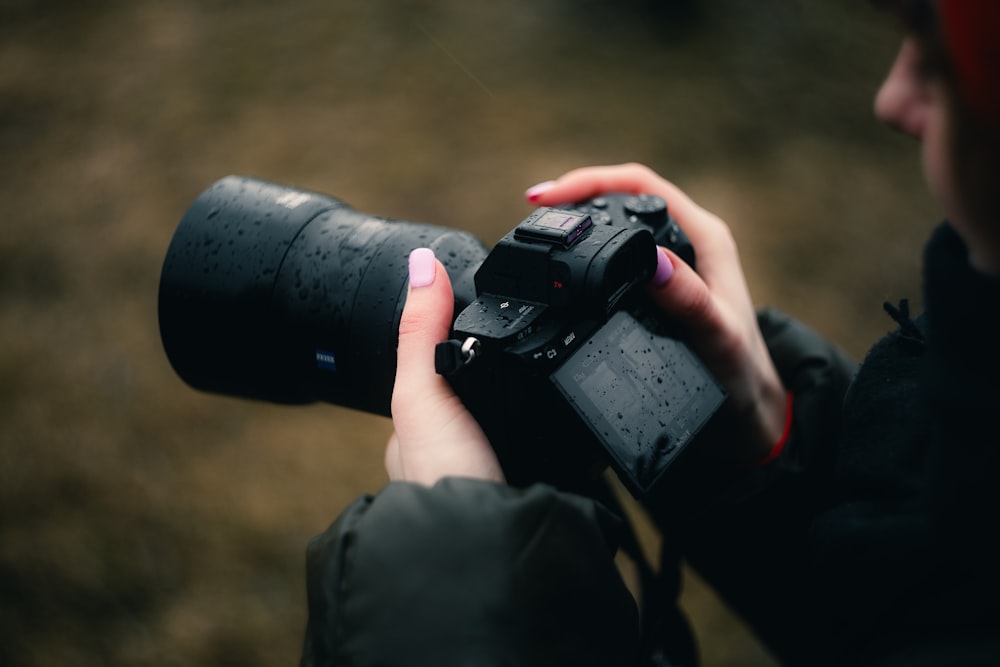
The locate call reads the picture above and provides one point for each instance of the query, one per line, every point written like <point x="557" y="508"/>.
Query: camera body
<point x="562" y="326"/>
<point x="290" y="296"/>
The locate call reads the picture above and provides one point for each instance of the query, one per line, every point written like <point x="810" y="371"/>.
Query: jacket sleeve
<point x="818" y="374"/>
<point x="468" y="572"/>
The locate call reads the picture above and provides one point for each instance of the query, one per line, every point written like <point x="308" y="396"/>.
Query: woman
<point x="845" y="512"/>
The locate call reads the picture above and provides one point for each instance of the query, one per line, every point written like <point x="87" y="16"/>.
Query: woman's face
<point x="917" y="103"/>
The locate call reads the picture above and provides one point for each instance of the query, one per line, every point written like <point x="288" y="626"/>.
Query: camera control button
<point x="648" y="209"/>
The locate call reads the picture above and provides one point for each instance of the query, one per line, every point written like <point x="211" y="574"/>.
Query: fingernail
<point x="422" y="267"/>
<point x="536" y="191"/>
<point x="664" y="268"/>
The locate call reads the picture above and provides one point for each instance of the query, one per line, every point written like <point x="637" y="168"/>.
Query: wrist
<point x="751" y="427"/>
<point x="762" y="420"/>
<point x="778" y="445"/>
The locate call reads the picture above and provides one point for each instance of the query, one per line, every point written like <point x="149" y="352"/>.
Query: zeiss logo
<point x="326" y="360"/>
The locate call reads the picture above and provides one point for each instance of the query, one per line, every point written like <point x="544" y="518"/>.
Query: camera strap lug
<point x="452" y="355"/>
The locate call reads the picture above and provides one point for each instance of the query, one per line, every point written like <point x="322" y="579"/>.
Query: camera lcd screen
<point x="643" y="394"/>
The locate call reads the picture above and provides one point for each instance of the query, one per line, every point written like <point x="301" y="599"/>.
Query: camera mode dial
<point x="648" y="209"/>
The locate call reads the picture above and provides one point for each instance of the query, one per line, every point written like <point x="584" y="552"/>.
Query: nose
<point x="901" y="101"/>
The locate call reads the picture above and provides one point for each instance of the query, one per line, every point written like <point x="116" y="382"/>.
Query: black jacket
<point x="870" y="541"/>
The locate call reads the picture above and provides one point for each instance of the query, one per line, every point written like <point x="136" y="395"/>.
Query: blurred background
<point x="143" y="523"/>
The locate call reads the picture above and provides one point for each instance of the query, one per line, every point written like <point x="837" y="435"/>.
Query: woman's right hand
<point x="713" y="305"/>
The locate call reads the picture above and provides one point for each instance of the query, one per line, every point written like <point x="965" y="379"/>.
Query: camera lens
<point x="291" y="296"/>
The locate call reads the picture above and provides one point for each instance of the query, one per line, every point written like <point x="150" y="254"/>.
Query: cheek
<point x="941" y="176"/>
<point x="937" y="163"/>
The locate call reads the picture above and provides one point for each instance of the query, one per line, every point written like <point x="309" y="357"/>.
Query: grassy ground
<point x="143" y="523"/>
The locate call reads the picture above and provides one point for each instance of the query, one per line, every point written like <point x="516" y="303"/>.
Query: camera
<point x="290" y="296"/>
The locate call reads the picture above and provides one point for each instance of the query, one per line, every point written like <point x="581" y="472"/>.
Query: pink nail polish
<point x="664" y="269"/>
<point x="422" y="267"/>
<point x="535" y="191"/>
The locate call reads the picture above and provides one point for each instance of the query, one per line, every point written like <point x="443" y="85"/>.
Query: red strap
<point x="780" y="445"/>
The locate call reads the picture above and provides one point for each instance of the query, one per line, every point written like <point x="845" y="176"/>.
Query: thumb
<point x="425" y="322"/>
<point x="435" y="435"/>
<point x="681" y="293"/>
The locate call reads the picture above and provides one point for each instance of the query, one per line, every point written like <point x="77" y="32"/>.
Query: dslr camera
<point x="289" y="296"/>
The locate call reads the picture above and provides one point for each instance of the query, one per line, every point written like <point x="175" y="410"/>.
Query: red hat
<point x="971" y="31"/>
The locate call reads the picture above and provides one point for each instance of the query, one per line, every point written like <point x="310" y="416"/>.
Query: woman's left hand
<point x="435" y="435"/>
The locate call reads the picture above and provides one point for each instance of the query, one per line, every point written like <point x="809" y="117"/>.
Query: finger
<point x="632" y="178"/>
<point x="588" y="182"/>
<point x="425" y="322"/>
<point x="714" y="328"/>
<point x="682" y="294"/>
<point x="393" y="465"/>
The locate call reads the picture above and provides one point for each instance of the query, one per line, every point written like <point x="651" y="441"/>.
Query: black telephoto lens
<point x="290" y="296"/>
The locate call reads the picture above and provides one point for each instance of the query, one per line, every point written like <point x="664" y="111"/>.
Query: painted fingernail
<point x="536" y="191"/>
<point x="664" y="268"/>
<point x="422" y="267"/>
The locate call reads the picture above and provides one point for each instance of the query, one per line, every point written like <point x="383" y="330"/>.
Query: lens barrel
<point x="290" y="296"/>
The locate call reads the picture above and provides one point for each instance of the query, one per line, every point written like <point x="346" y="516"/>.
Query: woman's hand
<point x="435" y="436"/>
<point x="713" y="305"/>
